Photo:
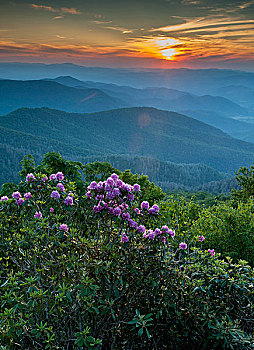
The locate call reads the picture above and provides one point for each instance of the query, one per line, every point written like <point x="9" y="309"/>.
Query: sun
<point x="165" y="49"/>
<point x="168" y="54"/>
<point x="160" y="47"/>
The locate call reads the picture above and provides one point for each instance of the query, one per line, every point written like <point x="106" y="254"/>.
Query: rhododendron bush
<point x="101" y="269"/>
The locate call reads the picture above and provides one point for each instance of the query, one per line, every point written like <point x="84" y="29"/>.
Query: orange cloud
<point x="71" y="10"/>
<point x="68" y="10"/>
<point x="39" y="7"/>
<point x="157" y="48"/>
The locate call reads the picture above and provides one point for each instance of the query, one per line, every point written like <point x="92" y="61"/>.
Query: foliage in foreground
<point x="228" y="226"/>
<point x="103" y="270"/>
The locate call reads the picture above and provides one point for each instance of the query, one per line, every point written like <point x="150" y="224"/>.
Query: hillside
<point x="197" y="81"/>
<point x="217" y="111"/>
<point x="159" y="97"/>
<point x="166" y="136"/>
<point x="72" y="95"/>
<point x="235" y="128"/>
<point x="34" y="93"/>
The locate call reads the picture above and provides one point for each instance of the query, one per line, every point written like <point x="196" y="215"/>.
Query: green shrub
<point x="229" y="229"/>
<point x="77" y="275"/>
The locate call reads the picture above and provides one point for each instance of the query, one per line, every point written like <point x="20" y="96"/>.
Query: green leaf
<point x="140" y="332"/>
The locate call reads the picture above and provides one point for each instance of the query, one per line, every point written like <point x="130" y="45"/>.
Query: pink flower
<point x="27" y="195"/>
<point x="117" y="211"/>
<point x="114" y="177"/>
<point x="92" y="186"/>
<point x="144" y="205"/>
<point x="130" y="196"/>
<point x="55" y="194"/>
<point x="156" y="208"/>
<point x="16" y="195"/>
<point x="59" y="176"/>
<point x="152" y="211"/>
<point x="136" y="187"/>
<point x="4" y="198"/>
<point x="63" y="227"/>
<point x="68" y="200"/>
<point x="52" y="177"/>
<point x="30" y="177"/>
<point x="97" y="208"/>
<point x="183" y="245"/>
<point x="126" y="216"/>
<point x="141" y="229"/>
<point x="150" y="234"/>
<point x="165" y="229"/>
<point x="116" y="192"/>
<point x="124" y="238"/>
<point x="119" y="183"/>
<point x="211" y="251"/>
<point x="20" y="201"/>
<point x="110" y="181"/>
<point x="133" y="223"/>
<point x="157" y="231"/>
<point x="38" y="215"/>
<point x="201" y="238"/>
<point x="172" y="233"/>
<point x="163" y="239"/>
<point x="60" y="186"/>
<point x="51" y="210"/>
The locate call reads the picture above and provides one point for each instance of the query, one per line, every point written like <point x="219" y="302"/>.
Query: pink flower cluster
<point x="18" y="198"/>
<point x="160" y="233"/>
<point x="57" y="177"/>
<point x="113" y="197"/>
<point x="116" y="198"/>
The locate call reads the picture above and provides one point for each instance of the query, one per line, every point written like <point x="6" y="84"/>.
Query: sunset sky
<point x="131" y="33"/>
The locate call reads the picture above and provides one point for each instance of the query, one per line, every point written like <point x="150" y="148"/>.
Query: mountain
<point x="167" y="136"/>
<point x="240" y="94"/>
<point x="161" y="98"/>
<point x="213" y="110"/>
<point x="197" y="81"/>
<point x="33" y="93"/>
<point x="235" y="128"/>
<point x="72" y="95"/>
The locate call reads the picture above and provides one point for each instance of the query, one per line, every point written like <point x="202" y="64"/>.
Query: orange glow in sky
<point x="164" y="48"/>
<point x="184" y="33"/>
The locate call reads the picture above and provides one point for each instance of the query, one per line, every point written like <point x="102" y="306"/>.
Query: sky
<point x="129" y="33"/>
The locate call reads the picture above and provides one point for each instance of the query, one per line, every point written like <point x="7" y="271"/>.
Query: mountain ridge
<point x="142" y="131"/>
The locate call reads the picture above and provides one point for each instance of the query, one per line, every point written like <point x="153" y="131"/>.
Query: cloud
<point x="37" y="50"/>
<point x="202" y="23"/>
<point x="67" y="10"/>
<point x="102" y="22"/>
<point x="47" y="8"/>
<point x="120" y="29"/>
<point x="191" y="2"/>
<point x="246" y="5"/>
<point x="58" y="17"/>
<point x="71" y="10"/>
